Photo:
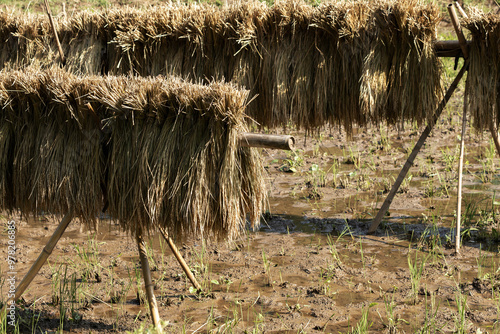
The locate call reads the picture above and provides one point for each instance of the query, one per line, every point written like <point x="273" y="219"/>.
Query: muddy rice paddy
<point x="311" y="267"/>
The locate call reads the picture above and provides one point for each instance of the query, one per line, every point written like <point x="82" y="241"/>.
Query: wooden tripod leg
<point x="40" y="261"/>
<point x="494" y="134"/>
<point x="180" y="259"/>
<point x="148" y="283"/>
<point x="416" y="150"/>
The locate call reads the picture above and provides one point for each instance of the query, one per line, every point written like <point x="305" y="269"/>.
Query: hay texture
<point x="342" y="63"/>
<point x="482" y="91"/>
<point x="159" y="151"/>
<point x="402" y="75"/>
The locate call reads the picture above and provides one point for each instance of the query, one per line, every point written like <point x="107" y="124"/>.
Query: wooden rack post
<point x="148" y="282"/>
<point x="180" y="259"/>
<point x="423" y="137"/>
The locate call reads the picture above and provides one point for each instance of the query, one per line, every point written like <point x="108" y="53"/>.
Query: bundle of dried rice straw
<point x="341" y="63"/>
<point x="483" y="80"/>
<point x="161" y="151"/>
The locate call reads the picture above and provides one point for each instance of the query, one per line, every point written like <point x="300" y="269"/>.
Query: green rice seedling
<point x="259" y="323"/>
<point x="89" y="263"/>
<point x="35" y="318"/>
<point x="430" y="239"/>
<point x="363" y="324"/>
<point x="332" y="248"/>
<point x="416" y="271"/>
<point x="431" y="322"/>
<point x="211" y="323"/>
<point x="371" y="164"/>
<point x="461" y="326"/>
<point x="201" y="267"/>
<point x="153" y="264"/>
<point x="335" y="173"/>
<point x="352" y="158"/>
<point x="385" y="140"/>
<point x="450" y="158"/>
<point x="139" y="292"/>
<point x="392" y="318"/>
<point x="56" y="282"/>
<point x="151" y="329"/>
<point x="317" y="176"/>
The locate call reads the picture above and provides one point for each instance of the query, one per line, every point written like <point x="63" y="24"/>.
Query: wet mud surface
<point x="311" y="267"/>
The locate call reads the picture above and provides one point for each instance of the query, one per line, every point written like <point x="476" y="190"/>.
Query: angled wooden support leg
<point x="180" y="259"/>
<point x="494" y="135"/>
<point x="40" y="261"/>
<point x="148" y="283"/>
<point x="423" y="137"/>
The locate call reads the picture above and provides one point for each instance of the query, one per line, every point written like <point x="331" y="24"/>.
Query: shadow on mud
<point x="413" y="229"/>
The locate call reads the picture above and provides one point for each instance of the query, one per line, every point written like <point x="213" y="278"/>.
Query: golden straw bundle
<point x="160" y="151"/>
<point x="401" y="79"/>
<point x="341" y="63"/>
<point x="483" y="81"/>
<point x="51" y="142"/>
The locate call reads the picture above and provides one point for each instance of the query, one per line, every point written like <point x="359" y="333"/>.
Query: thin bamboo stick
<point x="40" y="261"/>
<point x="456" y="24"/>
<point x="409" y="162"/>
<point x="148" y="283"/>
<point x="465" y="50"/>
<point x="460" y="9"/>
<point x="180" y="259"/>
<point x="460" y="171"/>
<point x="51" y="19"/>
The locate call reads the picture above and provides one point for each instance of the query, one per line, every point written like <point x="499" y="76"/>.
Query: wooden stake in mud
<point x="51" y="19"/>
<point x="40" y="261"/>
<point x="148" y="283"/>
<point x="409" y="162"/>
<point x="180" y="259"/>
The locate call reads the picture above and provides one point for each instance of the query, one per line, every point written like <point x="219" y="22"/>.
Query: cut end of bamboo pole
<point x="279" y="142"/>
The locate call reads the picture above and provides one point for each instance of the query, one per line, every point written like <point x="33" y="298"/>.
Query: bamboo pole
<point x="280" y="142"/>
<point x="460" y="9"/>
<point x="458" y="30"/>
<point x="52" y="23"/>
<point x="448" y="49"/>
<point x="409" y="162"/>
<point x="180" y="259"/>
<point x="40" y="261"/>
<point x="148" y="283"/>
<point x="494" y="134"/>
<point x="460" y="172"/>
<point x="465" y="50"/>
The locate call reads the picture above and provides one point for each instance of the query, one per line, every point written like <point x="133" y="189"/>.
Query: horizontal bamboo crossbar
<point x="279" y="142"/>
<point x="448" y="48"/>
